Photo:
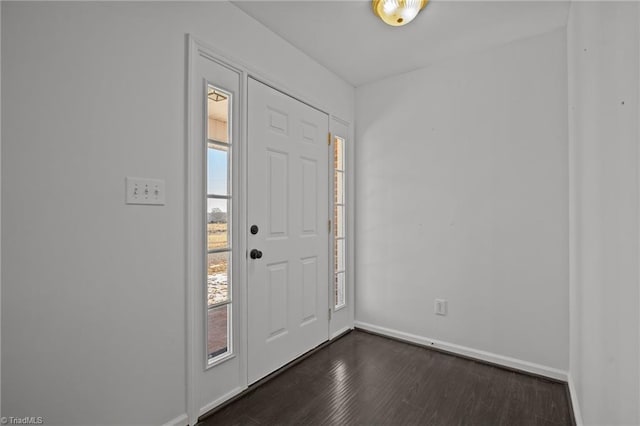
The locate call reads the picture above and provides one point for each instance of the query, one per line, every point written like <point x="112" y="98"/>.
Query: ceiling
<point x="347" y="38"/>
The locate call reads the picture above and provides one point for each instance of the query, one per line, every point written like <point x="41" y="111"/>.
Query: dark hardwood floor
<point x="363" y="379"/>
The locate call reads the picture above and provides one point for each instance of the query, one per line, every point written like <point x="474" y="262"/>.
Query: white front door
<point x="288" y="273"/>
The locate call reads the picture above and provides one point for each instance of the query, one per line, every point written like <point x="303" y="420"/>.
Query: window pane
<point x="218" y="215"/>
<point x="218" y="328"/>
<point x="217" y="170"/>
<point x="339" y="154"/>
<point x="217" y="278"/>
<point x="339" y="255"/>
<point x="339" y="188"/>
<point x="218" y="115"/>
<point x="217" y="223"/>
<point x="340" y="290"/>
<point x="339" y="220"/>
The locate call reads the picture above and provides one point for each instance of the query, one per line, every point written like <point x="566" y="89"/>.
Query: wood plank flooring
<point x="363" y="379"/>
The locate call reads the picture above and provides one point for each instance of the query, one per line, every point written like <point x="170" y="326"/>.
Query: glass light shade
<point x="398" y="12"/>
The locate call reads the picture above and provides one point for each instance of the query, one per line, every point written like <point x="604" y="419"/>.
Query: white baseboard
<point x="181" y="420"/>
<point x="339" y="332"/>
<point x="577" y="414"/>
<point x="224" y="398"/>
<point x="469" y="352"/>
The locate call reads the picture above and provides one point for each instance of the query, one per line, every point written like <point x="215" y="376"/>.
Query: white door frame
<point x="342" y="319"/>
<point x="194" y="362"/>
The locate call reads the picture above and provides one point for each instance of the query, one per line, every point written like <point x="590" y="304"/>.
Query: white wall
<point x="603" y="59"/>
<point x="461" y="171"/>
<point x="93" y="296"/>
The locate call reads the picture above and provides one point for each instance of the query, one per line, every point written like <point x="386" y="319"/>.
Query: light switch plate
<point x="144" y="191"/>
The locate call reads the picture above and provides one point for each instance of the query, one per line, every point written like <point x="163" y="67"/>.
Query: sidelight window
<point x="218" y="224"/>
<point x="339" y="218"/>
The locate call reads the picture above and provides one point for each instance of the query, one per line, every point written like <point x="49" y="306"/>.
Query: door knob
<point x="255" y="254"/>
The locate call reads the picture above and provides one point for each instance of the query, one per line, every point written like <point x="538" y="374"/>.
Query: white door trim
<point x="196" y="47"/>
<point x="190" y="267"/>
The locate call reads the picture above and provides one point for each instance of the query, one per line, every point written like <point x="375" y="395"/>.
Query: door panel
<point x="277" y="187"/>
<point x="309" y="196"/>
<point x="309" y="286"/>
<point x="288" y="201"/>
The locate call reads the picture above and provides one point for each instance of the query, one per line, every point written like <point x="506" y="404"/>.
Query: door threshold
<point x="271" y="376"/>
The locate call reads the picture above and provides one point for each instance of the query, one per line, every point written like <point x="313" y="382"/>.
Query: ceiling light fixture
<point x="398" y="12"/>
<point x="216" y="96"/>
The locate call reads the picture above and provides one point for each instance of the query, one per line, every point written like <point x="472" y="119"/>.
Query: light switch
<point x="144" y="191"/>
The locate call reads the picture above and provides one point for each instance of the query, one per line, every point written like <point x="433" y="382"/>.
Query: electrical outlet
<point x="144" y="191"/>
<point x="440" y="307"/>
